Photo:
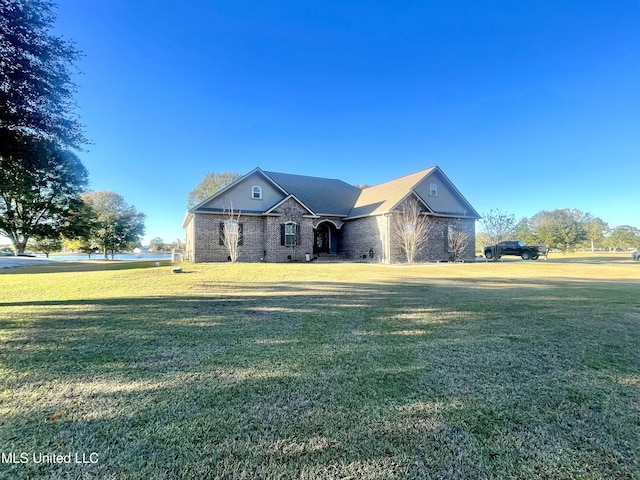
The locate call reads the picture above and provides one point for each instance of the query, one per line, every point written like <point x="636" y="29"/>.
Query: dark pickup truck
<point x="517" y="248"/>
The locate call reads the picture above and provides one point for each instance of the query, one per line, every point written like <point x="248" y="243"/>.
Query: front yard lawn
<point x="508" y="370"/>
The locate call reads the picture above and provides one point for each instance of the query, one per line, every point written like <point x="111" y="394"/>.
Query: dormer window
<point x="433" y="190"/>
<point x="256" y="192"/>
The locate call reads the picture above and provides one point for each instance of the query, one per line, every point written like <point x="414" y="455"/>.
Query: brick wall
<point x="291" y="211"/>
<point x="261" y="236"/>
<point x="361" y="235"/>
<point x="206" y="245"/>
<point x="435" y="249"/>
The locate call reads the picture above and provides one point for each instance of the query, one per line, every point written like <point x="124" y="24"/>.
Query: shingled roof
<point x="333" y="197"/>
<point x="325" y="196"/>
<point x="384" y="197"/>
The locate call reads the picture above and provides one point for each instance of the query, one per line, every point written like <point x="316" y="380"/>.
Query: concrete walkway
<point x="10" y="262"/>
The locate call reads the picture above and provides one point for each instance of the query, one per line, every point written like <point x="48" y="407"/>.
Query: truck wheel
<point x="534" y="257"/>
<point x="489" y="255"/>
<point x="525" y="255"/>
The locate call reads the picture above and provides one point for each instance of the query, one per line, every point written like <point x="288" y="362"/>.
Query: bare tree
<point x="457" y="240"/>
<point x="411" y="229"/>
<point x="499" y="226"/>
<point x="232" y="234"/>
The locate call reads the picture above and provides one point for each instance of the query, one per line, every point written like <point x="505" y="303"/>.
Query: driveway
<point x="10" y="262"/>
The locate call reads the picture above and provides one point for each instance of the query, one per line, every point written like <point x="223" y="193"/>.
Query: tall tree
<point x="561" y="228"/>
<point x="116" y="225"/>
<point x="39" y="188"/>
<point x="36" y="90"/>
<point x="595" y="229"/>
<point x="525" y="233"/>
<point x="40" y="177"/>
<point x="212" y="182"/>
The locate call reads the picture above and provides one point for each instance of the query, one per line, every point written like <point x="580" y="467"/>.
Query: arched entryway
<point x="326" y="238"/>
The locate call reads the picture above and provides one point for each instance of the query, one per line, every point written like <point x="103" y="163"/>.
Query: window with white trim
<point x="256" y="192"/>
<point x="433" y="190"/>
<point x="290" y="234"/>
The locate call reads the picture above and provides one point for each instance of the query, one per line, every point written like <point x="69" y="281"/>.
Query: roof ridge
<point x="268" y="172"/>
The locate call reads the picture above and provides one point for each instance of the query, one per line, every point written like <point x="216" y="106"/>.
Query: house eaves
<point x="223" y="211"/>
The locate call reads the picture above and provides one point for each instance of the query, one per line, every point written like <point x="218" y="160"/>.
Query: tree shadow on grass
<point x="432" y="379"/>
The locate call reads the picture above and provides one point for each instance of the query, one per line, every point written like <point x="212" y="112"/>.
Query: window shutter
<point x="221" y="233"/>
<point x="297" y="234"/>
<point x="282" y="234"/>
<point x="240" y="234"/>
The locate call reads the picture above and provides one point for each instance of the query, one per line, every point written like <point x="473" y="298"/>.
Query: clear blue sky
<point x="526" y="106"/>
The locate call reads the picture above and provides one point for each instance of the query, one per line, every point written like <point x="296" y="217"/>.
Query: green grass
<point x="489" y="370"/>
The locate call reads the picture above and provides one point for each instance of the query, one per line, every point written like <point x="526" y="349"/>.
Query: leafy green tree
<point x="525" y="233"/>
<point x="498" y="226"/>
<point x="46" y="245"/>
<point x="623" y="237"/>
<point x="36" y="90"/>
<point x="39" y="178"/>
<point x="212" y="182"/>
<point x="156" y="244"/>
<point x="595" y="229"/>
<point x="561" y="229"/>
<point x="40" y="184"/>
<point x="80" y="245"/>
<point x="116" y="225"/>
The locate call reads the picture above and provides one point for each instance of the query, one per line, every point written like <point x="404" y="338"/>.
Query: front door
<point x="321" y="242"/>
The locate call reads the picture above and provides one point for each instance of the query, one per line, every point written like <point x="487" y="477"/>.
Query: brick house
<point x="284" y="217"/>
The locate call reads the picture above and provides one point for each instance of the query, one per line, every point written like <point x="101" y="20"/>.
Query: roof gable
<point x="239" y="195"/>
<point x="448" y="199"/>
<point x="386" y="196"/>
